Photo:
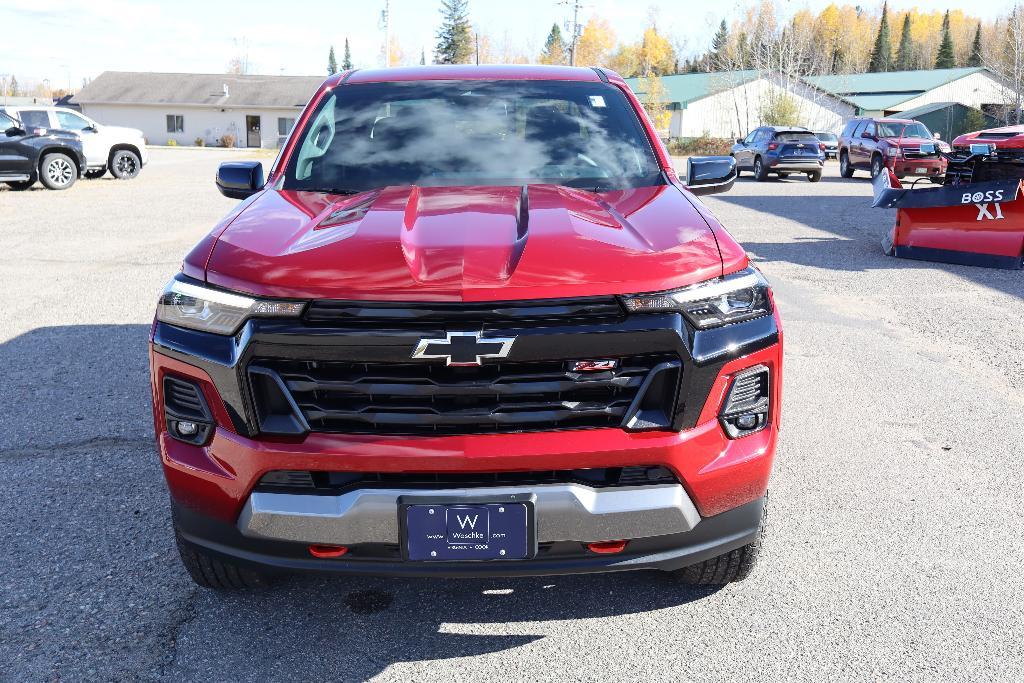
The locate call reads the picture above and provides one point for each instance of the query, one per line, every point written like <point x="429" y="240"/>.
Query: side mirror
<point x="867" y="136"/>
<point x="739" y="141"/>
<point x="14" y="130"/>
<point x="240" y="179"/>
<point x="710" y="175"/>
<point x="92" y="129"/>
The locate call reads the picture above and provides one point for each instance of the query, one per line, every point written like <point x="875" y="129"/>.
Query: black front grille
<point x="295" y="481"/>
<point x="374" y="314"/>
<point x="432" y="398"/>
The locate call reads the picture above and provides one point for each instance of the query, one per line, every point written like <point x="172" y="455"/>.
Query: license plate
<point x="469" y="531"/>
<point x="920" y="170"/>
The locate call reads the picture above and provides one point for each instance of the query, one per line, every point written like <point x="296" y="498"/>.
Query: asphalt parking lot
<point x="894" y="547"/>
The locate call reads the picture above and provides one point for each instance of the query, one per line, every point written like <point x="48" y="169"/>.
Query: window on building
<point x="175" y="123"/>
<point x="285" y="125"/>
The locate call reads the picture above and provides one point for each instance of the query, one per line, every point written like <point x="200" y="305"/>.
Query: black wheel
<point x="760" y="172"/>
<point x="125" y="164"/>
<point x="814" y="176"/>
<point x="845" y="169"/>
<point x="735" y="565"/>
<point x="210" y="572"/>
<point x="876" y="166"/>
<point x="58" y="171"/>
<point x="20" y="185"/>
<point x="96" y="173"/>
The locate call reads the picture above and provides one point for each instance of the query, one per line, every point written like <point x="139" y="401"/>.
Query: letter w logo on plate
<point x="467" y="520"/>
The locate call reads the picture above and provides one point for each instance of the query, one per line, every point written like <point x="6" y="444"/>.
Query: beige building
<point x="258" y="111"/>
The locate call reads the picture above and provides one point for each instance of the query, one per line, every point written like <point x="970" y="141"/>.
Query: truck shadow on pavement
<point x="92" y="583"/>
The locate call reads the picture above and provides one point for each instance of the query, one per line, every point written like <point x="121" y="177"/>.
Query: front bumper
<point x="712" y="537"/>
<point x="926" y="167"/>
<point x="564" y="512"/>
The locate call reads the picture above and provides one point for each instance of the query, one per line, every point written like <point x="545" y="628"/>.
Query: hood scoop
<point x="472" y="235"/>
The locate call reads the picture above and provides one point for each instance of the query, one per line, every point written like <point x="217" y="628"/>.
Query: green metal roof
<point x="880" y="91"/>
<point x="685" y="88"/>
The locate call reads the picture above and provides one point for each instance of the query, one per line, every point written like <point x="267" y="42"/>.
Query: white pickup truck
<point x="122" y="151"/>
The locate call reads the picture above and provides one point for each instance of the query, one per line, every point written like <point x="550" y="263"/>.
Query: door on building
<point x="252" y="131"/>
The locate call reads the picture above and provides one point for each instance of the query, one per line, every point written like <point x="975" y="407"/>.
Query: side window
<point x="175" y="123"/>
<point x="35" y="119"/>
<point x="859" y="129"/>
<point x="870" y="130"/>
<point x="69" y="121"/>
<point x="750" y="138"/>
<point x="285" y="125"/>
<point x="763" y="135"/>
<point x="850" y="127"/>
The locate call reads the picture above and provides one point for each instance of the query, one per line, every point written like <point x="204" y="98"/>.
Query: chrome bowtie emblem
<point x="463" y="348"/>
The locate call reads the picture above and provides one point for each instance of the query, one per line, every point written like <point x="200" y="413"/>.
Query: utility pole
<point x="385" y="17"/>
<point x="575" y="29"/>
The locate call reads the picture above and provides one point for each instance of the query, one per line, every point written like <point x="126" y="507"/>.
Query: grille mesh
<point x="431" y="398"/>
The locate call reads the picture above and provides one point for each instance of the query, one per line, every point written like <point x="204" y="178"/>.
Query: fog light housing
<point x="746" y="405"/>
<point x="187" y="415"/>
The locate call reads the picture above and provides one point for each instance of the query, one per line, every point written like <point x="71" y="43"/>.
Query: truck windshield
<point x="907" y="130"/>
<point x="435" y="133"/>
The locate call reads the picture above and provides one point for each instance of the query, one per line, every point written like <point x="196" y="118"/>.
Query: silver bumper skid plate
<point x="565" y="512"/>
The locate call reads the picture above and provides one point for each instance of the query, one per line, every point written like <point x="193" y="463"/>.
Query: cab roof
<point x="468" y="72"/>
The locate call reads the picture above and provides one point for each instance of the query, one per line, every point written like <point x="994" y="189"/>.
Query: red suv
<point x="471" y="324"/>
<point x="903" y="145"/>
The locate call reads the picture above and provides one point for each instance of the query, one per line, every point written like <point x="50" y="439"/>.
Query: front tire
<point x="760" y="172"/>
<point x="210" y="572"/>
<point x="125" y="164"/>
<point x="814" y="176"/>
<point x="876" y="166"/>
<point x="845" y="169"/>
<point x="58" y="171"/>
<point x="733" y="566"/>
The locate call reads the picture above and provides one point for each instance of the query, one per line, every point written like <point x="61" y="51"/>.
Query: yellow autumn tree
<point x="595" y="44"/>
<point x="653" y="97"/>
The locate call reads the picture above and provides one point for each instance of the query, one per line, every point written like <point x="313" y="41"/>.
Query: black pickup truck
<point x="53" y="157"/>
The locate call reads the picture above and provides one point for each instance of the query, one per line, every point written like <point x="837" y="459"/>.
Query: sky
<point x="65" y="41"/>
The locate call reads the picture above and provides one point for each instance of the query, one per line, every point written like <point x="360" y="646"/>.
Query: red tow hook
<point x="327" y="551"/>
<point x="607" y="547"/>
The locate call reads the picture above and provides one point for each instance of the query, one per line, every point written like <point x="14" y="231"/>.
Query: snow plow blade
<point x="974" y="224"/>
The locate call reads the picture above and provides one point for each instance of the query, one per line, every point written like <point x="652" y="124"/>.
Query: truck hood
<point x="415" y="243"/>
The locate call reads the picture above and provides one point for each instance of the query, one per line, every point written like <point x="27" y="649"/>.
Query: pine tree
<point x="905" y="52"/>
<point x="454" y="39"/>
<point x="946" y="58"/>
<point x="718" y="45"/>
<point x="976" y="58"/>
<point x="346" y="59"/>
<point x="332" y="62"/>
<point x="555" y="50"/>
<point x="13" y="86"/>
<point x="881" y="55"/>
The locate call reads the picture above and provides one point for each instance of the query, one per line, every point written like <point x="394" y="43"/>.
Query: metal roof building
<point x="884" y="94"/>
<point x="257" y="111"/>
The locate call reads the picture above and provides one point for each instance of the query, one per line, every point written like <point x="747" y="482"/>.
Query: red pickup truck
<point x="472" y="323"/>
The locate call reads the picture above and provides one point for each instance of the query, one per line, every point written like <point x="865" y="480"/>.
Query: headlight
<point x="213" y="310"/>
<point x="892" y="151"/>
<point x="739" y="296"/>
